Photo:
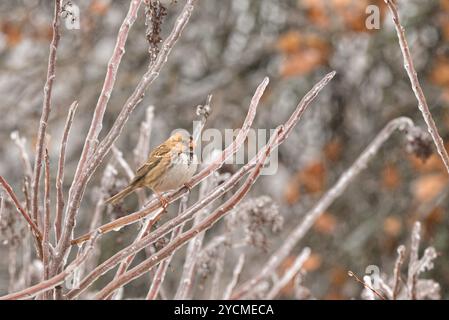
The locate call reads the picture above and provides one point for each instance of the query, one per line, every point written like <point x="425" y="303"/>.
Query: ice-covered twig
<point x="46" y="109"/>
<point x="56" y="280"/>
<point x="172" y="196"/>
<point x="202" y="226"/>
<point x="235" y="277"/>
<point x="217" y="192"/>
<point x="8" y="189"/>
<point x="289" y="274"/>
<point x="90" y="160"/>
<point x="163" y="266"/>
<point x="413" y="76"/>
<point x="414" y="248"/>
<point x="60" y="173"/>
<point x="321" y="206"/>
<point x="397" y="271"/>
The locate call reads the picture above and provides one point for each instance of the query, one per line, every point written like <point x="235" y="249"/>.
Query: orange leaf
<point x="291" y="192"/>
<point x="392" y="226"/>
<point x="12" y="32"/>
<point x="439" y="74"/>
<point x="312" y="263"/>
<point x="326" y="223"/>
<point x="333" y="150"/>
<point x="313" y="177"/>
<point x="99" y="7"/>
<point x="427" y="187"/>
<point x="390" y="177"/>
<point x="289" y="42"/>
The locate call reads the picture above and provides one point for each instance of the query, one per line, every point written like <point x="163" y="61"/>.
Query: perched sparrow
<point x="169" y="166"/>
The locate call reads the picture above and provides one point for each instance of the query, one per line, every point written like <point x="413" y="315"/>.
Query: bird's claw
<point x="188" y="186"/>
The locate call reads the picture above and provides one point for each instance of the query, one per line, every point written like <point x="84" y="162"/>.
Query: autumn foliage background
<point x="226" y="50"/>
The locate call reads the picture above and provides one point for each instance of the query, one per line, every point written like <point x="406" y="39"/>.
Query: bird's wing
<point x="155" y="157"/>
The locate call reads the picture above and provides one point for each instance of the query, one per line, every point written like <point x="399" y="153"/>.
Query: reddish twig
<point x="377" y="293"/>
<point x="217" y="192"/>
<point x="289" y="274"/>
<point x="46" y="109"/>
<point x="321" y="206"/>
<point x="235" y="277"/>
<point x="60" y="174"/>
<point x="159" y="276"/>
<point x="397" y="271"/>
<point x="108" y="85"/>
<point x="92" y="163"/>
<point x="172" y="196"/>
<point x="202" y="226"/>
<point x="54" y="281"/>
<point x="19" y="207"/>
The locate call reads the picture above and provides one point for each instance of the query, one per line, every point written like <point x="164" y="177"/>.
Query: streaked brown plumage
<point x="169" y="166"/>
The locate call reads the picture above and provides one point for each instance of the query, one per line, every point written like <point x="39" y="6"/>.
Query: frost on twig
<point x="416" y="86"/>
<point x="414" y="288"/>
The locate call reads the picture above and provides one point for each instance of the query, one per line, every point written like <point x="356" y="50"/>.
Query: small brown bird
<point x="168" y="167"/>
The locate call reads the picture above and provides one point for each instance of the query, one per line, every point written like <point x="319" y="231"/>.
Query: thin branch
<point x="54" y="281"/>
<point x="46" y="109"/>
<point x="289" y="274"/>
<point x="397" y="271"/>
<point x="163" y="266"/>
<point x="235" y="277"/>
<point x="412" y="74"/>
<point x="412" y="270"/>
<point x="321" y="206"/>
<point x="92" y="163"/>
<point x="186" y="236"/>
<point x="194" y="247"/>
<point x="142" y="149"/>
<point x="217" y="192"/>
<point x="108" y="85"/>
<point x="377" y="293"/>
<point x="46" y="232"/>
<point x="118" y="155"/>
<point x="219" y="265"/>
<point x="19" y="207"/>
<point x="172" y="196"/>
<point x="20" y="143"/>
<point x="144" y="231"/>
<point x="60" y="174"/>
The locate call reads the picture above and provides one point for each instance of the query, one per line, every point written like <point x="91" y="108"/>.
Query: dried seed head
<point x="255" y="215"/>
<point x="155" y="13"/>
<point x="419" y="143"/>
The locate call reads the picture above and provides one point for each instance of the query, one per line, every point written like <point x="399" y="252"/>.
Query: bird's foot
<point x="188" y="186"/>
<point x="164" y="201"/>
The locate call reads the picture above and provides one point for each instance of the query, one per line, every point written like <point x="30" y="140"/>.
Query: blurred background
<point x="226" y="50"/>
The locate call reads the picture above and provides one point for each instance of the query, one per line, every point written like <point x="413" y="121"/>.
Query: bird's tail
<point x="122" y="194"/>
